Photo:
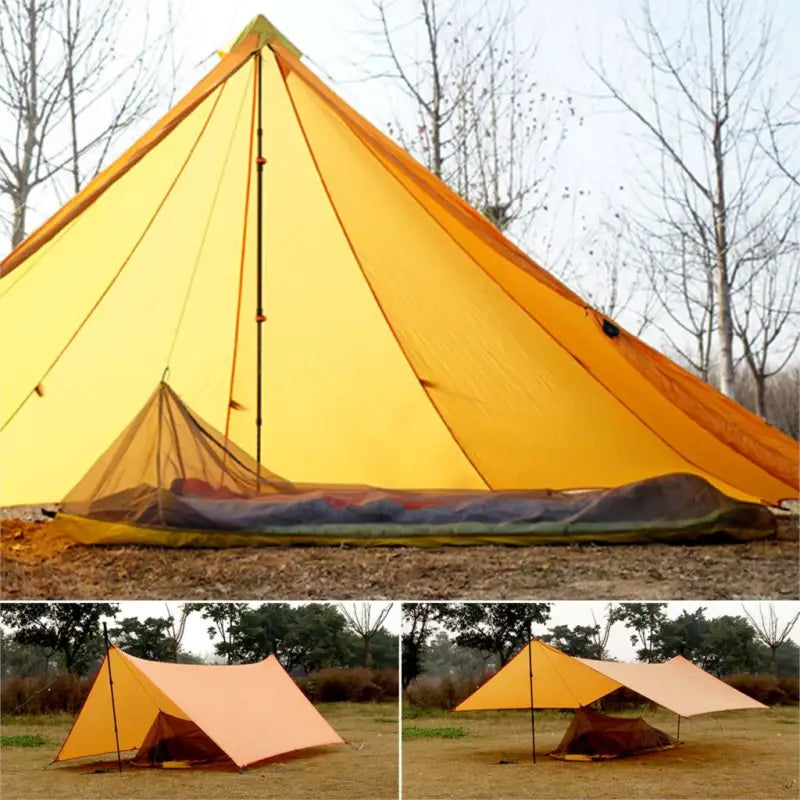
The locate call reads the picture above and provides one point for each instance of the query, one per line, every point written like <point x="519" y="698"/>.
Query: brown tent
<point x="593" y="736"/>
<point x="172" y="741"/>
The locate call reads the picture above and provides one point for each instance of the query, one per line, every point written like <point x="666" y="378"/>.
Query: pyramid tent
<point x="247" y="712"/>
<point x="336" y="313"/>
<point x="592" y="736"/>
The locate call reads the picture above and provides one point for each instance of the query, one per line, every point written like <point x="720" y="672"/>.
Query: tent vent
<point x="610" y="329"/>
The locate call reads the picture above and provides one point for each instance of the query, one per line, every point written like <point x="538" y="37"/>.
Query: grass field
<point x="366" y="767"/>
<point x="745" y="754"/>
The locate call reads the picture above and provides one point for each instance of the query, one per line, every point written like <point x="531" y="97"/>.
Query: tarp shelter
<point x="176" y="712"/>
<point x="561" y="681"/>
<point x="335" y="313"/>
<point x="593" y="736"/>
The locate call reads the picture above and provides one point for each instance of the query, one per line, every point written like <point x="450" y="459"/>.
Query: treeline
<point x="65" y="692"/>
<point x="46" y="638"/>
<point x="463" y="643"/>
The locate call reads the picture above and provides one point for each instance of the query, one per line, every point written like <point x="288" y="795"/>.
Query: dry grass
<point x="752" y="754"/>
<point x="366" y="767"/>
<point x="37" y="564"/>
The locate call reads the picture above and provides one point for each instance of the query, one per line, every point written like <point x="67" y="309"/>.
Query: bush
<point x="43" y="694"/>
<point x="445" y="692"/>
<point x="353" y="685"/>
<point x="772" y="690"/>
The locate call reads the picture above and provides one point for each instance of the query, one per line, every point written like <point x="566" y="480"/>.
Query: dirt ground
<point x="38" y="564"/>
<point x="751" y="754"/>
<point x="366" y="767"/>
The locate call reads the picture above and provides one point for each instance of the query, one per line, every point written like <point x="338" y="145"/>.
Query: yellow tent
<point x="335" y="312"/>
<point x="246" y="713"/>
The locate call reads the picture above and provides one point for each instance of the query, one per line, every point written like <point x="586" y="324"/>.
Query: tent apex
<point x="267" y="33"/>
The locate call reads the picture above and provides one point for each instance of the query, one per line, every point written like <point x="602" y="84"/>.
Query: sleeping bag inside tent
<point x="592" y="736"/>
<point x="305" y="337"/>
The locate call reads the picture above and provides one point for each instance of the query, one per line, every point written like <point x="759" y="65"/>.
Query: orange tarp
<point x="407" y="344"/>
<point x="559" y="681"/>
<point x="677" y="684"/>
<point x="251" y="711"/>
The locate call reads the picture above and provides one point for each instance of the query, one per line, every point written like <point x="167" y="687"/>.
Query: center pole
<point x="260" y="161"/>
<point x="111" y="687"/>
<point x="678" y="737"/>
<point x="530" y="676"/>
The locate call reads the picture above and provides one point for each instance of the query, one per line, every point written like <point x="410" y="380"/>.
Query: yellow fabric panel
<point x="525" y="411"/>
<point x="577" y="328"/>
<point x="340" y="403"/>
<point x="137" y="703"/>
<point x="107" y="373"/>
<point x="677" y="684"/>
<point x="559" y="681"/>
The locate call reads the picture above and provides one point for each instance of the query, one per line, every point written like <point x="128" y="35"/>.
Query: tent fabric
<point x="593" y="736"/>
<point x="172" y="739"/>
<point x="251" y="712"/>
<point x="559" y="681"/>
<point x="406" y="345"/>
<point x="677" y="684"/>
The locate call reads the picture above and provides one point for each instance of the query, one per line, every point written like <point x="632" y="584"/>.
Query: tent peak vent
<point x="267" y="33"/>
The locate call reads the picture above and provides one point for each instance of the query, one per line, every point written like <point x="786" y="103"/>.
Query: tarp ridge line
<point x="706" y="470"/>
<point x="126" y="261"/>
<point x="383" y="312"/>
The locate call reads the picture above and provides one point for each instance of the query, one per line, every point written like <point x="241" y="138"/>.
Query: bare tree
<point x="366" y="624"/>
<point x="68" y="91"/>
<point x="177" y="627"/>
<point x="718" y="210"/>
<point x="770" y="631"/>
<point x="481" y="122"/>
<point x="602" y="633"/>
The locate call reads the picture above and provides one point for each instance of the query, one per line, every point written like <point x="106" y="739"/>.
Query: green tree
<point x="149" y="638"/>
<point x="65" y="628"/>
<point x="580" y="641"/>
<point x="645" y="619"/>
<point x="443" y="657"/>
<point x="419" y="621"/>
<point x="256" y="634"/>
<point x="497" y="628"/>
<point x="221" y="616"/>
<point x="315" y="638"/>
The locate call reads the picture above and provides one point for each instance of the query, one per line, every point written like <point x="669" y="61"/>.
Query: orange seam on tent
<point x="369" y="285"/>
<point x="672" y="447"/>
<point x="123" y="265"/>
<point x="45" y="232"/>
<point x="241" y="260"/>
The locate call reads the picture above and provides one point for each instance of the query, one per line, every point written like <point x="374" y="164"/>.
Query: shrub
<point x="354" y="685"/>
<point x="444" y="692"/>
<point x="771" y="690"/>
<point x="43" y="694"/>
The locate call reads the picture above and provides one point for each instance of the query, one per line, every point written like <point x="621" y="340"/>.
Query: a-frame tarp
<point x="251" y="711"/>
<point x="406" y="344"/>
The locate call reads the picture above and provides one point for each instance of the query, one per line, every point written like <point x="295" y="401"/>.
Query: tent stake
<point x="530" y="675"/>
<point x="260" y="161"/>
<point x="111" y="687"/>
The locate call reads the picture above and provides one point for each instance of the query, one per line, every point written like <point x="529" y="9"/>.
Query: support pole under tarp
<point x="530" y="676"/>
<point x="678" y="737"/>
<point x="113" y="703"/>
<point x="260" y="161"/>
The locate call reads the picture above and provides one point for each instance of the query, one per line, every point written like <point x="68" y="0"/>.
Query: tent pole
<point x="530" y="676"/>
<point x="111" y="687"/>
<point x="678" y="737"/>
<point x="260" y="318"/>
